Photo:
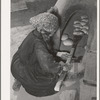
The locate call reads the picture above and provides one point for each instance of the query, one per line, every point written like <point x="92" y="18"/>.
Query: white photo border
<point x="5" y="49"/>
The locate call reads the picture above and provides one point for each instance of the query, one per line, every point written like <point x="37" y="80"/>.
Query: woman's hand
<point x="65" y="66"/>
<point x="65" y="56"/>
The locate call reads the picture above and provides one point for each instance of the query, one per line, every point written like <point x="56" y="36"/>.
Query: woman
<point x="35" y="65"/>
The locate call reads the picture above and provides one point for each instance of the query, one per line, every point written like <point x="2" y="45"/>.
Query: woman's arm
<point x="26" y="48"/>
<point x="45" y="59"/>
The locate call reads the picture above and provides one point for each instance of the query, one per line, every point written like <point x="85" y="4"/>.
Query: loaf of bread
<point x="68" y="42"/>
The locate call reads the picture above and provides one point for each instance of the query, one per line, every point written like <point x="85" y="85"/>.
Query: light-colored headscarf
<point x="45" y="21"/>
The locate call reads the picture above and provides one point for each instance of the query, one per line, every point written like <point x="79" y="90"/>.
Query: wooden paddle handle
<point x="64" y="73"/>
<point x="59" y="83"/>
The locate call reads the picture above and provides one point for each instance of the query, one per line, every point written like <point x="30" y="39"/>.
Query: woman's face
<point x="46" y="35"/>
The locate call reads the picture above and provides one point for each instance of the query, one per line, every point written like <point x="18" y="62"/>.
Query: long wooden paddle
<point x="76" y="40"/>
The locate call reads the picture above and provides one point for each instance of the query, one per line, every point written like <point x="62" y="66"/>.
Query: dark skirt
<point x="35" y="84"/>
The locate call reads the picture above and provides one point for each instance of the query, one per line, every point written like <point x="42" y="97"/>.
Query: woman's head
<point x="46" y="23"/>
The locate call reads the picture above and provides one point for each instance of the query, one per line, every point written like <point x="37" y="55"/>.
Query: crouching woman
<point x="35" y="65"/>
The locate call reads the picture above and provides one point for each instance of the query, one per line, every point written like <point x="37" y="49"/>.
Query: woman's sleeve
<point x="46" y="60"/>
<point x="26" y="48"/>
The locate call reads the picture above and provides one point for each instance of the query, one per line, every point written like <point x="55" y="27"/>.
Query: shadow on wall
<point x="21" y="18"/>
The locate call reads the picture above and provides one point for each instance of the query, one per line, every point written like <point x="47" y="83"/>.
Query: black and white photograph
<point x="51" y="50"/>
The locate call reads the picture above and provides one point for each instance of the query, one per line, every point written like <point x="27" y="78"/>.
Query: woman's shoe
<point x="16" y="85"/>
